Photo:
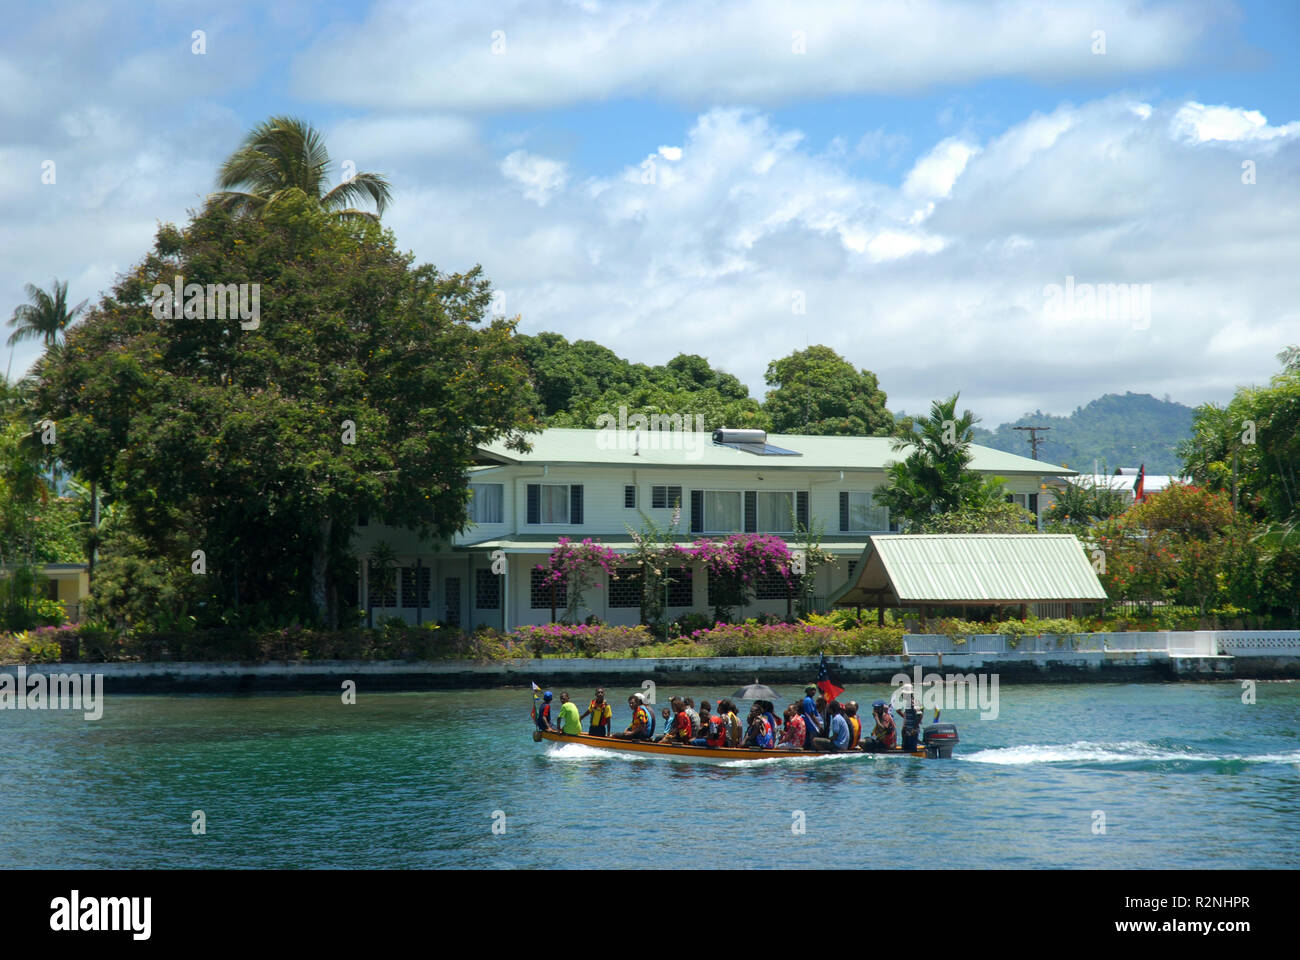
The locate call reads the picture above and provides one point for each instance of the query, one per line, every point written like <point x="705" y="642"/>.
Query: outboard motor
<point x="939" y="739"/>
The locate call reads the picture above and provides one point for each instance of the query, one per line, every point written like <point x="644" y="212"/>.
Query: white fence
<point x="1190" y="643"/>
<point x="1259" y="643"/>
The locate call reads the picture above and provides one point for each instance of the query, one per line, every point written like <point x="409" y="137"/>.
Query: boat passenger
<point x="640" y="727"/>
<point x="855" y="725"/>
<point x="714" y="733"/>
<point x="793" y="735"/>
<point x="808" y="710"/>
<point x="912" y="713"/>
<point x="692" y="712"/>
<point x="543" y="718"/>
<point x="769" y="711"/>
<point x="883" y="734"/>
<point x="837" y="728"/>
<point x="570" y="722"/>
<point x="759" y="734"/>
<point x="679" y="729"/>
<point x="735" y="730"/>
<point x="818" y="727"/>
<point x="602" y="715"/>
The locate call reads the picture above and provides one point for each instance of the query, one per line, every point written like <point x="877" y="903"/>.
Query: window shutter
<point x="801" y="508"/>
<point x="751" y="511"/>
<point x="575" y="503"/>
<point x="534" y="503"/>
<point x="629" y="497"/>
<point x="844" y="510"/>
<point x="697" y="511"/>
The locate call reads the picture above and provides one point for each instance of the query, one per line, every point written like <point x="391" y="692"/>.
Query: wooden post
<point x="1024" y="612"/>
<point x="880" y="614"/>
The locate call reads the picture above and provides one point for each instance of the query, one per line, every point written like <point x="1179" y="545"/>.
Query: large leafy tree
<point x="816" y="391"/>
<point x="365" y="389"/>
<point x="1254" y="443"/>
<point x="46" y="315"/>
<point x="935" y="476"/>
<point x="284" y="155"/>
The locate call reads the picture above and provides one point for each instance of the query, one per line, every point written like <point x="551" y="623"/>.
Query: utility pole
<point x="1033" y="437"/>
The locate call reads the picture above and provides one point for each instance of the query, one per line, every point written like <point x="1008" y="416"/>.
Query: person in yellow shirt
<point x="602" y="715"/>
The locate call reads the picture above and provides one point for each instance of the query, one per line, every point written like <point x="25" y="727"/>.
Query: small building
<point x="924" y="571"/>
<point x="68" y="583"/>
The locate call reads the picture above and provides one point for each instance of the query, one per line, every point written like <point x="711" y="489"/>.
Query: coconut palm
<point x="45" y="317"/>
<point x="284" y="154"/>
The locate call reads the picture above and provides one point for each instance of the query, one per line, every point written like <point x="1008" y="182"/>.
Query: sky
<point x="1031" y="203"/>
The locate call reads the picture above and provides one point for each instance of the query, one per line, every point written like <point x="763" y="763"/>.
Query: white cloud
<point x="552" y="52"/>
<point x="538" y="176"/>
<point x="1196" y="121"/>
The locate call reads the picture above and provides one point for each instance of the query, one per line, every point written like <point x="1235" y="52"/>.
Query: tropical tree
<point x="282" y="155"/>
<point x="46" y="316"/>
<point x="366" y="389"/>
<point x="816" y="391"/>
<point x="934" y="477"/>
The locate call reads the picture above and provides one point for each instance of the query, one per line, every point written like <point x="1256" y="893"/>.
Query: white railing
<point x="1259" y="643"/>
<point x="1192" y="643"/>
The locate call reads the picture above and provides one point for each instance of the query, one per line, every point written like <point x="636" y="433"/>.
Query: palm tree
<point x="935" y="477"/>
<point x="45" y="317"/>
<point x="284" y="154"/>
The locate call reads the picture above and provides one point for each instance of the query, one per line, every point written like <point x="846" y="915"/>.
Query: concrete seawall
<point x="1062" y="667"/>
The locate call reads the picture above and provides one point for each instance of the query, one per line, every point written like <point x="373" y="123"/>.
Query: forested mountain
<point x="1116" y="430"/>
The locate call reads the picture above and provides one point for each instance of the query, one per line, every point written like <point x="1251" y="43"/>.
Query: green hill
<point x="1115" y="430"/>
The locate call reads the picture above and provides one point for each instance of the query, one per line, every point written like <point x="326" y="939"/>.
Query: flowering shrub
<point x="752" y="639"/>
<point x="581" y="640"/>
<point x="736" y="563"/>
<point x="573" y="566"/>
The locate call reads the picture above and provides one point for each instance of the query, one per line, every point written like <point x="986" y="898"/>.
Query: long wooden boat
<point x="708" y="753"/>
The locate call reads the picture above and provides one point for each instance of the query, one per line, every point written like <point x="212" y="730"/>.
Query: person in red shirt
<point x="884" y="736"/>
<point x="792" y="737"/>
<point x="680" y="729"/>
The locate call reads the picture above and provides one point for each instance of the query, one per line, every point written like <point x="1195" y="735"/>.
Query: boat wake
<point x="1132" y="752"/>
<point x="580" y="751"/>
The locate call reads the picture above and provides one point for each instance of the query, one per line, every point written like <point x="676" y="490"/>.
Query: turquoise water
<point x="1186" y="775"/>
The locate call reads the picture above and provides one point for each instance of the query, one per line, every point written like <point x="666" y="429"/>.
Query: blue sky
<point x="917" y="177"/>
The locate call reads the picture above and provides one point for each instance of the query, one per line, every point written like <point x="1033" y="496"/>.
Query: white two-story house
<point x="597" y="483"/>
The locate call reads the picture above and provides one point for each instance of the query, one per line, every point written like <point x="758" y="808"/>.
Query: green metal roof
<point x="908" y="569"/>
<point x="650" y="448"/>
<point x="544" y="543"/>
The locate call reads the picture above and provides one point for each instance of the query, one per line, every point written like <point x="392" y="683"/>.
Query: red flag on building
<point x="1139" y="487"/>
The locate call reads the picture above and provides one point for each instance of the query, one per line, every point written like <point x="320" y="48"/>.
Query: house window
<point x="451" y="594"/>
<point x="859" y="512"/>
<point x="415" y="587"/>
<point x="629" y="496"/>
<point x="663" y="497"/>
<point x="775" y="512"/>
<point x="681" y="592"/>
<point x="555" y="503"/>
<point x="771" y="586"/>
<point x="722" y="510"/>
<point x="485" y="503"/>
<point x="539" y="592"/>
<point x="487" y="590"/>
<point x="382" y="594"/>
<point x="626" y="590"/>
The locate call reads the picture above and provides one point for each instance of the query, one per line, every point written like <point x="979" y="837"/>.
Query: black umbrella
<point x="756" y="691"/>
